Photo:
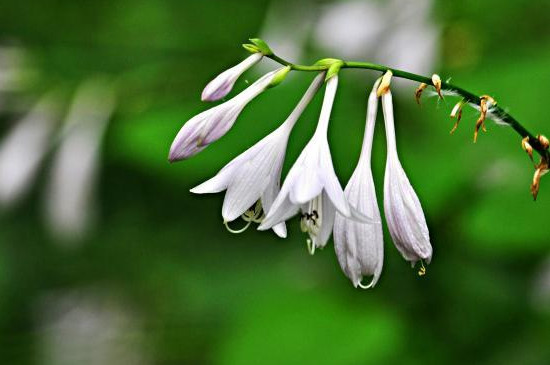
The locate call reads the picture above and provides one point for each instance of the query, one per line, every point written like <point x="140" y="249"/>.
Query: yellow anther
<point x="418" y="92"/>
<point x="384" y="86"/>
<point x="527" y="147"/>
<point x="254" y="214"/>
<point x="436" y="80"/>
<point x="422" y="269"/>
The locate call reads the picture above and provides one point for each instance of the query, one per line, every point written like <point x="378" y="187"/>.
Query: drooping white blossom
<point x="359" y="246"/>
<point x="24" y="148"/>
<point x="404" y="215"/>
<point x="219" y="87"/>
<point x="73" y="175"/>
<point x="312" y="186"/>
<point x="255" y="174"/>
<point x="212" y="124"/>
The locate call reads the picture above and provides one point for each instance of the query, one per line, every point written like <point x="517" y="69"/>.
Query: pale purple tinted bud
<point x="223" y="83"/>
<point x="212" y="124"/>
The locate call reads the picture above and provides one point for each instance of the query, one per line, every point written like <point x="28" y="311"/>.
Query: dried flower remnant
<point x="457" y="113"/>
<point x="485" y="102"/>
<point x="527" y="147"/>
<point x="543" y="141"/>
<point x="436" y="80"/>
<point x="419" y="90"/>
<point x="540" y="170"/>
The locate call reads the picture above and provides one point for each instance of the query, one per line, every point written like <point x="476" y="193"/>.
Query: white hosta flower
<point x="223" y="83"/>
<point x="403" y="211"/>
<point x="254" y="175"/>
<point x="311" y="185"/>
<point x="25" y="147"/>
<point x="212" y="124"/>
<point x="70" y="194"/>
<point x="360" y="246"/>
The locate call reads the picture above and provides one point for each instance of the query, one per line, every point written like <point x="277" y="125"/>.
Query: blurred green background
<point x="157" y="279"/>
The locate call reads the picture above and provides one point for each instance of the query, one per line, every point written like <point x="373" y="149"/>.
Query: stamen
<point x="422" y="269"/>
<point x="236" y="231"/>
<point x="310" y="246"/>
<point x="254" y="214"/>
<point x="311" y="220"/>
<point x="363" y="286"/>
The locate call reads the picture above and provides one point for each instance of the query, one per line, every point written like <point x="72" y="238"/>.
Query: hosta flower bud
<point x="221" y="86"/>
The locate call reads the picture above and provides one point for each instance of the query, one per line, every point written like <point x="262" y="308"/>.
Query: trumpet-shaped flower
<point x="254" y="176"/>
<point x="223" y="83"/>
<point x="404" y="215"/>
<point x="359" y="246"/>
<point x="212" y="124"/>
<point x="311" y="185"/>
<point x="25" y="147"/>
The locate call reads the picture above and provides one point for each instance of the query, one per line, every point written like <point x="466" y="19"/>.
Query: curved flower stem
<point x="468" y="96"/>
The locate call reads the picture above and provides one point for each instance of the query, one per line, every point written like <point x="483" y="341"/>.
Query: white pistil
<point x="311" y="221"/>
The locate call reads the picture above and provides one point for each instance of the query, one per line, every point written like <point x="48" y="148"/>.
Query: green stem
<point x="468" y="96"/>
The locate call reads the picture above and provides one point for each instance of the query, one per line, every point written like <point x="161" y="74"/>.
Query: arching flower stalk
<point x="311" y="186"/>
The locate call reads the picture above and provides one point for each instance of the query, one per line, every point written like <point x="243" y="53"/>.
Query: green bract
<point x="262" y="46"/>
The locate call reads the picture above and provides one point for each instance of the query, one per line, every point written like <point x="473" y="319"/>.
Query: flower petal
<point x="281" y="211"/>
<point x="329" y="212"/>
<point x="217" y="183"/>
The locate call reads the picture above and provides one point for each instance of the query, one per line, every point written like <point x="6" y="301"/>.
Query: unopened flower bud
<point x="436" y="80"/>
<point x="384" y="84"/>
<point x="418" y="92"/>
<point x="279" y="77"/>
